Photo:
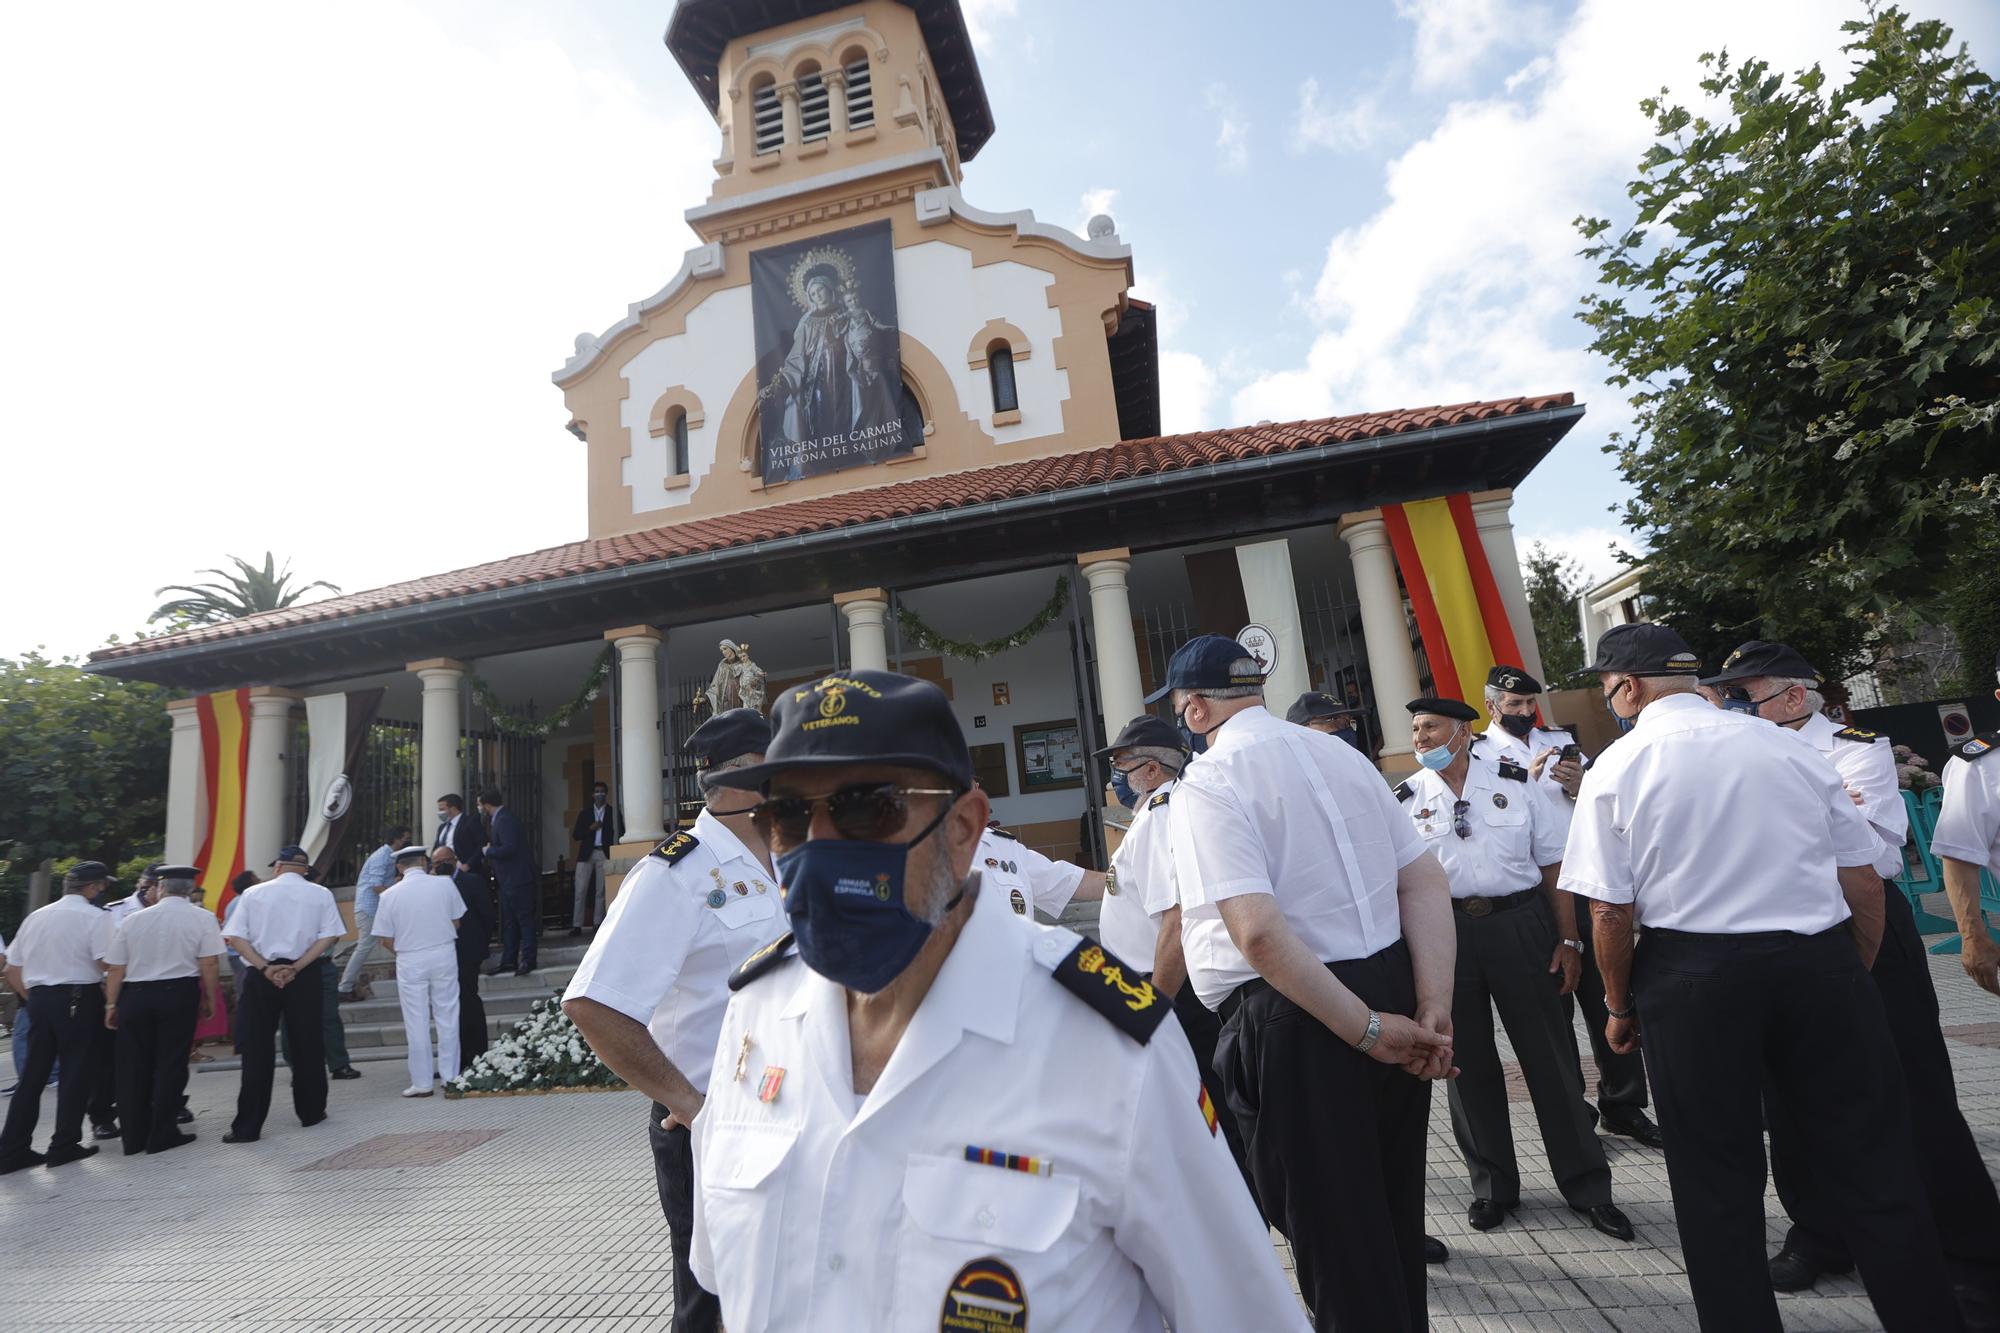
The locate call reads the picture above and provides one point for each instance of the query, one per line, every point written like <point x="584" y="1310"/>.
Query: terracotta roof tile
<point x="1125" y="459"/>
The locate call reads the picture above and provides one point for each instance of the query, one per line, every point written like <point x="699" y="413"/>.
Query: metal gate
<point x="513" y="764"/>
<point x="684" y="795"/>
<point x="1162" y="630"/>
<point x="387" y="790"/>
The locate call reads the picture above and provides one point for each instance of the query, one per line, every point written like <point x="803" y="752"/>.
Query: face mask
<point x="1624" y="723"/>
<point x="1517" y="725"/>
<point x="1121" y="787"/>
<point x="1197" y="741"/>
<point x="1747" y="705"/>
<point x="1351" y="736"/>
<point x="444" y="816"/>
<point x="845" y="899"/>
<point x="1438" y="757"/>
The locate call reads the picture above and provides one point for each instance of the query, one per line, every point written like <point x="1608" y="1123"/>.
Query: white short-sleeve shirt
<point x="1968" y="823"/>
<point x="1512" y="830"/>
<point x="418" y="911"/>
<point x="61" y="944"/>
<point x="1496" y="743"/>
<point x="1867" y="766"/>
<point x="165" y="941"/>
<point x="285" y="916"/>
<point x="1140" y="887"/>
<point x="1717" y="823"/>
<point x="1029" y="881"/>
<point x="684" y="919"/>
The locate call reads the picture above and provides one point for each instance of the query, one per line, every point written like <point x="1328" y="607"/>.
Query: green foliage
<point x="83" y="770"/>
<point x="924" y="637"/>
<point x="1971" y="606"/>
<point x="1804" y="309"/>
<point x="1554" y="583"/>
<point x="522" y="724"/>
<point x="243" y="592"/>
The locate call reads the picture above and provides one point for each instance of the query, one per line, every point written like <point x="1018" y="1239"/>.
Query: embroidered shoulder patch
<point x="1158" y="800"/>
<point x="1404" y="791"/>
<point x="1510" y="769"/>
<point x="764" y="960"/>
<point x="1857" y="734"/>
<point x="1002" y="833"/>
<point x="1107" y="985"/>
<point x="676" y="847"/>
<point x="985" y="1297"/>
<point x="1979" y="747"/>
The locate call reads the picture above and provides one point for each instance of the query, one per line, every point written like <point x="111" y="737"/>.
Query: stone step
<point x="536" y="985"/>
<point x="555" y="951"/>
<point x="366" y="1012"/>
<point x="364" y="1036"/>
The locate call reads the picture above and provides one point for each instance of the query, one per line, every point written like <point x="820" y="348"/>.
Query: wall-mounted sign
<point x="1000" y="695"/>
<point x="978" y="721"/>
<point x="1049" y="755"/>
<point x="1956" y="720"/>
<point x="829" y="369"/>
<point x="1261" y="644"/>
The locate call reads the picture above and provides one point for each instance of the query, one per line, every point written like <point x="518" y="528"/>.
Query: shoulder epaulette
<point x="1978" y="747"/>
<point x="1404" y="791"/>
<point x="1510" y="769"/>
<point x="1095" y="976"/>
<point x="1159" y="799"/>
<point x="1002" y="833"/>
<point x="674" y="848"/>
<point x="1857" y="734"/>
<point x="766" y="959"/>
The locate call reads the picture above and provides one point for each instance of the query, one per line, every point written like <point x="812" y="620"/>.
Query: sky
<point x="293" y="278"/>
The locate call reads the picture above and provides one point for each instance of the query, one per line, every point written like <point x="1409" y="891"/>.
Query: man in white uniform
<point x="417" y="918"/>
<point x="282" y="929"/>
<point x="1750" y="869"/>
<point x="56" y="965"/>
<point x="926" y="1112"/>
<point x="1967" y="841"/>
<point x="650" y="994"/>
<point x="164" y="973"/>
<point x="1031" y="882"/>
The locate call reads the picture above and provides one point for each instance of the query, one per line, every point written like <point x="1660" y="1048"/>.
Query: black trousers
<point x="156" y="1022"/>
<point x="63" y="1023"/>
<point x="1621" y="1079"/>
<point x="695" y="1310"/>
<point x="1962" y="1200"/>
<point x="471" y="947"/>
<point x="258" y="1012"/>
<point x="520" y="925"/>
<point x="1203" y="1027"/>
<point x="1335" y="1142"/>
<point x="1726" y="1016"/>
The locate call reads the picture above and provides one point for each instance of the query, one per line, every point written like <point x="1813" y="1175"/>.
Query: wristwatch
<point x="1574" y="944"/>
<point x="1372" y="1035"/>
<point x="1620" y="1014"/>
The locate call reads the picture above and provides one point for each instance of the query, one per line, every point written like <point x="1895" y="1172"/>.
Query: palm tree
<point x="243" y="593"/>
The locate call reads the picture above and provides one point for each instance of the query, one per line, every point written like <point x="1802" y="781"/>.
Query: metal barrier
<point x="1923" y="874"/>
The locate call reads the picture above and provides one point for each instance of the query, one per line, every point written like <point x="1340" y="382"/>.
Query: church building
<point x="868" y="423"/>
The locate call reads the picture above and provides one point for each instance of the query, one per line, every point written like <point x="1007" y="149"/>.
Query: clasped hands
<point x="280" y="974"/>
<point x="1420" y="1046"/>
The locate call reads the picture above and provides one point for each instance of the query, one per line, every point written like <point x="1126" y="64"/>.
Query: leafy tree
<point x="1554" y="583"/>
<point x="83" y="769"/>
<point x="244" y="592"/>
<point x="1804" y="310"/>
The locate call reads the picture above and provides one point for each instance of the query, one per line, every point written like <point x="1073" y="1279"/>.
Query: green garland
<point x="929" y="639"/>
<point x="516" y="724"/>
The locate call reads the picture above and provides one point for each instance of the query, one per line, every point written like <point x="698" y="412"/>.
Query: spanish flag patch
<point x="1207" y="1109"/>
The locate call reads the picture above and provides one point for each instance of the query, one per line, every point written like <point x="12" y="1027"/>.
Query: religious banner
<point x="336" y="738"/>
<point x="1457" y="604"/>
<point x="828" y="361"/>
<point x="225" y="764"/>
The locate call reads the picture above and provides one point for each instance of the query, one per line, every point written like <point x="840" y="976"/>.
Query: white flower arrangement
<point x="544" y="1051"/>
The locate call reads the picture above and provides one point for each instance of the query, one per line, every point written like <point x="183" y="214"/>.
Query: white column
<point x="836" y="102"/>
<point x="266" y="793"/>
<point x="1392" y="664"/>
<point x="184" y="783"/>
<point x="1492" y="515"/>
<point x="867" y="613"/>
<point x="788" y="115"/>
<point x="1273" y="602"/>
<point x="1119" y="691"/>
<point x="443" y="716"/>
<point x="639" y="754"/>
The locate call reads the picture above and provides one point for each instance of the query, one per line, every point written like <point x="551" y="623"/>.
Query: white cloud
<point x="1187" y="393"/>
<point x="1101" y="200"/>
<point x="1232" y="133"/>
<point x="1357" y="124"/>
<point x="983" y="17"/>
<point x="1454" y="36"/>
<point x="1592" y="548"/>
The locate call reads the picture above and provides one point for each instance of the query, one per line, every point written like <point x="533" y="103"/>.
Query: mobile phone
<point x="1570" y="754"/>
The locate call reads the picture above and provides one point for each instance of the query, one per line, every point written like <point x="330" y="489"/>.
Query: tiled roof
<point x="1129" y="458"/>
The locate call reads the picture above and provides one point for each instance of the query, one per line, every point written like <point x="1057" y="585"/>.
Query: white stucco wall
<point x="709" y="359"/>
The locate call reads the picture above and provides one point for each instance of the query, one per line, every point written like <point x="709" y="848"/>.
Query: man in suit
<point x="474" y="928"/>
<point x="506" y="857"/>
<point x="596" y="833"/>
<point x="465" y="834"/>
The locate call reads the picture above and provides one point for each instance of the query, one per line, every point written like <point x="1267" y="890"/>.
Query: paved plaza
<point x="538" y="1213"/>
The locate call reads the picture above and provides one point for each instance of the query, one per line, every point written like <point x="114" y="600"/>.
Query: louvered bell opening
<point x="860" y="96"/>
<point x="815" y="115"/>
<point x="767" y="118"/>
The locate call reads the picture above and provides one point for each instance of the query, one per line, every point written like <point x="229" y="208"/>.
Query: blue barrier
<point x="1922" y="873"/>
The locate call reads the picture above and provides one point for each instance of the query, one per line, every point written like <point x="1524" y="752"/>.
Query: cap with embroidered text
<point x="88" y="872"/>
<point x="1149" y="730"/>
<point x="860" y="717"/>
<point x="726" y="736"/>
<point x="175" y="872"/>
<point x="1513" y="680"/>
<point x="1207" y="662"/>
<point x="1455" y="709"/>
<point x="1641" y="648"/>
<point x="1314" y="704"/>
<point x="1757" y="658"/>
<point x="293" y="855"/>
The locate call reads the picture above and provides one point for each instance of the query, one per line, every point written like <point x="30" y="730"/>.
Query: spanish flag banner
<point x="225" y="760"/>
<point x="1459" y="612"/>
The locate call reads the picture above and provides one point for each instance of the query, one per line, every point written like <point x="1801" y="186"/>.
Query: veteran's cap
<point x="1149" y="730"/>
<point x="174" y="872"/>
<point x="1207" y="662"/>
<point x="860" y="717"/>
<point x="1513" y="680"/>
<point x="292" y="855"/>
<point x="88" y="872"/>
<point x="726" y="736"/>
<point x="1644" y="649"/>
<point x="1455" y="709"/>
<point x="1760" y="658"/>
<point x="1314" y="703"/>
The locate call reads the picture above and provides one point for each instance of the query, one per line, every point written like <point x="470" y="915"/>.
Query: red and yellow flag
<point x="1464" y="623"/>
<point x="225" y="760"/>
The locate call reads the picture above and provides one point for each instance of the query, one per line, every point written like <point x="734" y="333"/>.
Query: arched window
<point x="1000" y="370"/>
<point x="860" y="90"/>
<point x="913" y="418"/>
<point x="815" y="114"/>
<point x="767" y="117"/>
<point x="677" y="431"/>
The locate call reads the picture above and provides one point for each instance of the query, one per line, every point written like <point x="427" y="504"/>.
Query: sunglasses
<point x="1461" y="818"/>
<point x="867" y="812"/>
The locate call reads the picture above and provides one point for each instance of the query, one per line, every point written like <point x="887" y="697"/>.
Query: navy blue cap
<point x="1758" y="657"/>
<point x="89" y="872"/>
<point x="860" y="717"/>
<point x="1314" y="703"/>
<point x="1456" y="709"/>
<point x="159" y="871"/>
<point x="1205" y="663"/>
<point x="1643" y="649"/>
<point x="293" y="854"/>
<point x="1149" y="730"/>
<point x="1513" y="680"/>
<point x="729" y="735"/>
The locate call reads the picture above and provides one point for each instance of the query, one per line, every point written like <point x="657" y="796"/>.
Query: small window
<point x="1000" y="369"/>
<point x="767" y="117"/>
<point x="860" y="92"/>
<point x="678" y="429"/>
<point x="815" y="112"/>
<point x="913" y="418"/>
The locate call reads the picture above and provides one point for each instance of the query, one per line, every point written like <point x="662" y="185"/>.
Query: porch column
<point x="1273" y="602"/>
<point x="1118" y="686"/>
<point x="1392" y="664"/>
<point x="643" y="791"/>
<point x="443" y="715"/>
<point x="1492" y="514"/>
<point x="867" y="613"/>
<point x="184" y="783"/>
<point x="266" y="793"/>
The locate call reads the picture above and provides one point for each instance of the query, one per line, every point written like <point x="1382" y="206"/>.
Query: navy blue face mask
<point x="845" y="899"/>
<point x="1121" y="787"/>
<point x="1624" y="723"/>
<point x="1197" y="741"/>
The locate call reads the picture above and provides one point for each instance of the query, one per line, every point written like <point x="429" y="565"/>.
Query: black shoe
<point x="345" y="997"/>
<point x="22" y="1162"/>
<point x="308" y="1124"/>
<point x="524" y="969"/>
<point x="1485" y="1215"/>
<point x="177" y="1141"/>
<point x="497" y="969"/>
<point x="1606" y="1218"/>
<point x="575" y="931"/>
<point x="186" y="1117"/>
<point x="1792" y="1271"/>
<point x="233" y="1137"/>
<point x="104" y="1129"/>
<point x="1434" y="1250"/>
<point x="345" y="1071"/>
<point x="1634" y="1125"/>
<point x="74" y="1153"/>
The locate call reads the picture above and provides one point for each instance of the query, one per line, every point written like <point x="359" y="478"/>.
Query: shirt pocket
<point x="1503" y="809"/>
<point x="740" y="912"/>
<point x="976" y="1234"/>
<point x="741" y="1182"/>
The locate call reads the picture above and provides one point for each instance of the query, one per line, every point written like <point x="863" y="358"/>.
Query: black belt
<point x="1742" y="937"/>
<point x="1234" y="1000"/>
<point x="164" y="981"/>
<point x="1478" y="906"/>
